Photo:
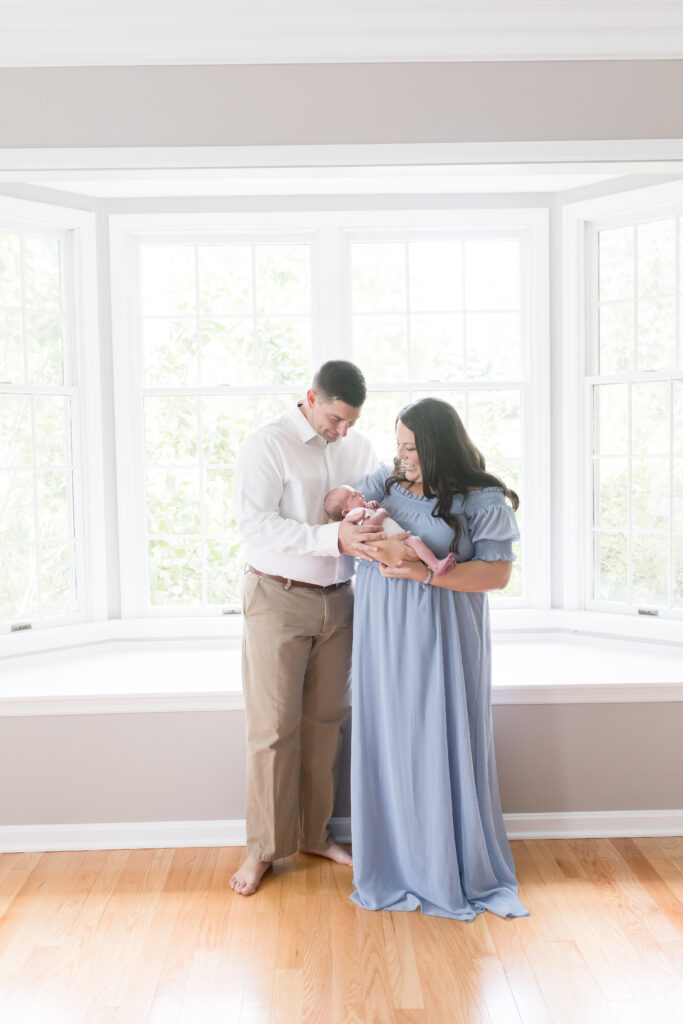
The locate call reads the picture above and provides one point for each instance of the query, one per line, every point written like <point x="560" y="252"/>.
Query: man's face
<point x="331" y="420"/>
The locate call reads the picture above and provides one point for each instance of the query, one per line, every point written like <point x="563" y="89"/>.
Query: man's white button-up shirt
<point x="283" y="472"/>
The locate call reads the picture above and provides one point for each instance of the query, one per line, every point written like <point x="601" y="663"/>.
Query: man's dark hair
<point x="340" y="380"/>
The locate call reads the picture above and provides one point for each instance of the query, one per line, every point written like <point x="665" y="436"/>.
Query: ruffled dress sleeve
<point x="492" y="525"/>
<point x="372" y="484"/>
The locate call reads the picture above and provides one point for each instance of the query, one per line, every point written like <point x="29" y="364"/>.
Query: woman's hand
<point x="408" y="571"/>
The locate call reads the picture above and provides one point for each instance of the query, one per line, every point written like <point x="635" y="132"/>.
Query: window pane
<point x="171" y="429"/>
<point x="678" y="572"/>
<point x="656" y="334"/>
<point x="57" y="590"/>
<point x="283" y="279"/>
<point x="173" y="501"/>
<point x="18" y="594"/>
<point x="492" y="274"/>
<point x="37" y="522"/>
<point x="52" y="430"/>
<point x="611" y="491"/>
<point x="650" y="493"/>
<point x="380" y="347"/>
<point x="656" y="257"/>
<point x="611" y="563"/>
<point x="15" y="430"/>
<point x="225" y="424"/>
<point x="616" y="337"/>
<point x="436" y="346"/>
<point x="678" y="495"/>
<point x="495" y="423"/>
<point x="44" y="349"/>
<point x="224" y="569"/>
<point x="42" y="285"/>
<point x="650" y="570"/>
<point x="378" y="277"/>
<point x="650" y="415"/>
<point x="228" y="352"/>
<point x="493" y="346"/>
<point x="10" y="270"/>
<point x="170" y="351"/>
<point x="616" y="264"/>
<point x="218" y="509"/>
<point x="55" y="506"/>
<point x="11" y="352"/>
<point x="435" y="275"/>
<point x="610" y="413"/>
<point x="678" y="415"/>
<point x="378" y="421"/>
<point x="167" y="274"/>
<point x="284" y="350"/>
<point x="175" y="571"/>
<point x="225" y="280"/>
<point x="17" y="518"/>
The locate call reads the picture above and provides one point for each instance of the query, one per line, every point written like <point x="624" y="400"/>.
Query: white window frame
<point x="581" y="223"/>
<point x="329" y="232"/>
<point x="76" y="231"/>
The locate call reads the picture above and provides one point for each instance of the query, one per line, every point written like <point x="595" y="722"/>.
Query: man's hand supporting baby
<point x="360" y="541"/>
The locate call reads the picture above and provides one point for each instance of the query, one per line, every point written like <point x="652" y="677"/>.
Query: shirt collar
<point x="303" y="428"/>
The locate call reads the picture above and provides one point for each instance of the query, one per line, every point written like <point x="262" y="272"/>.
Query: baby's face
<point x="353" y="499"/>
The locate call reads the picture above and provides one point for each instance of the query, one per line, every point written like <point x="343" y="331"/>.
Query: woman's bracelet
<point x="428" y="578"/>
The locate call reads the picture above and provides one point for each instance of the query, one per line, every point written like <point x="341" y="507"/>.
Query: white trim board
<point x="233" y="700"/>
<point x="141" y="835"/>
<point x="622" y="156"/>
<point x="78" y="33"/>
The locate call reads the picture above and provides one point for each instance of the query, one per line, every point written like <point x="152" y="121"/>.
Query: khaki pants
<point x="296" y="659"/>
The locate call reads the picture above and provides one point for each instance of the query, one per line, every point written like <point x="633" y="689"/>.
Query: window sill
<point x="166" y="673"/>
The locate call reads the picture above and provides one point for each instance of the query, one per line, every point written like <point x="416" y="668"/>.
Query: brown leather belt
<point x="298" y="583"/>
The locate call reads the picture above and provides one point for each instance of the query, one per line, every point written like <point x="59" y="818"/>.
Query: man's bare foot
<point x="339" y="854"/>
<point x="247" y="879"/>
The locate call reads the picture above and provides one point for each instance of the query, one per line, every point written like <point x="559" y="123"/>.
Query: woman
<point x="426" y="818"/>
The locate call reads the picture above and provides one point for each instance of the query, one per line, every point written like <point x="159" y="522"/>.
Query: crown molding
<point x="78" y="33"/>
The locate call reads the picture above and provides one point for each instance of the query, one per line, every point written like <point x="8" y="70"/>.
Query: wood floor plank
<point x="158" y="937"/>
<point x="642" y="955"/>
<point x="378" y="1003"/>
<point x="507" y="939"/>
<point x="588" y="925"/>
<point x="498" y="996"/>
<point x="193" y="878"/>
<point x="347" y="986"/>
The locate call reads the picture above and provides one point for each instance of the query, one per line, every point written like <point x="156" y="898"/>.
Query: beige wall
<point x="190" y="766"/>
<point x="290" y="104"/>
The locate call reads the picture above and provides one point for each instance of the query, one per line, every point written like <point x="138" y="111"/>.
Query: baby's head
<point x="341" y="500"/>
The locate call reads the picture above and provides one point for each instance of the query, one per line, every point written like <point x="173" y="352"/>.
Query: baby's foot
<point x="445" y="565"/>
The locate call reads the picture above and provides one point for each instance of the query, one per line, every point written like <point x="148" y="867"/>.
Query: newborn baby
<point x="345" y="503"/>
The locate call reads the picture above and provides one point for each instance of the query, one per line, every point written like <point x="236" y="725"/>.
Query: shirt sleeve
<point x="492" y="525"/>
<point x="372" y="484"/>
<point x="259" y="479"/>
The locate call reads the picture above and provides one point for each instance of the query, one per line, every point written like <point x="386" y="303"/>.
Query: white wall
<point x="291" y="104"/>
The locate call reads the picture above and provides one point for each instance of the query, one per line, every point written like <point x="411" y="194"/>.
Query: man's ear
<point x="311" y="397"/>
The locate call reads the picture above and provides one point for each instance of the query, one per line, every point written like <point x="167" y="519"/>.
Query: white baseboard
<point x="140" y="835"/>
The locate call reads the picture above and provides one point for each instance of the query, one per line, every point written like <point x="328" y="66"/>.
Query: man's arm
<point x="259" y="481"/>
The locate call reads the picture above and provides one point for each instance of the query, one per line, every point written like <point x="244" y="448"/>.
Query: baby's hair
<point x="333" y="504"/>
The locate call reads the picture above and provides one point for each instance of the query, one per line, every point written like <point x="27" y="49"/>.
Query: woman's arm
<point x="469" y="577"/>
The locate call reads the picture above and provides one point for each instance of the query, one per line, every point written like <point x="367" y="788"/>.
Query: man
<point x="298" y="614"/>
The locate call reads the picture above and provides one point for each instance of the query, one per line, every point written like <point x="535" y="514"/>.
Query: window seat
<point x="204" y="674"/>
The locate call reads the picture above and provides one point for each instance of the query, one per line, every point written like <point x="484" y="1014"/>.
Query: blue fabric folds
<point x="427" y="824"/>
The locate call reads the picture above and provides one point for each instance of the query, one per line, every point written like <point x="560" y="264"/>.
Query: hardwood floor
<point x="157" y="936"/>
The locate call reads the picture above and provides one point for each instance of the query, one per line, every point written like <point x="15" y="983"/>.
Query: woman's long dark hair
<point x="450" y="461"/>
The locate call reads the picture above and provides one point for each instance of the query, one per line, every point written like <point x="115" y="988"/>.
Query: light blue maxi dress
<point x="427" y="825"/>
